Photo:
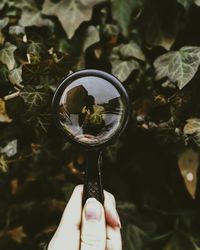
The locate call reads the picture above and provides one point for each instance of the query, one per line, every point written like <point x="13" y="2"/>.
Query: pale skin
<point x="93" y="227"/>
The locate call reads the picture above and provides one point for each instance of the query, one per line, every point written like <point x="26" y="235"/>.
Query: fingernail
<point x="92" y="209"/>
<point x="119" y="222"/>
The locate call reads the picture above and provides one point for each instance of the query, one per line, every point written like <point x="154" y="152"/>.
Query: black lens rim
<point x="101" y="74"/>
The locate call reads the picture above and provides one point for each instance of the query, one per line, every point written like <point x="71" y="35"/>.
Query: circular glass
<point x="91" y="110"/>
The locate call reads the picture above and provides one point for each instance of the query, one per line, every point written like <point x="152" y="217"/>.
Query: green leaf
<point x="3" y="73"/>
<point x="2" y="4"/>
<point x="3" y="23"/>
<point x="179" y="66"/>
<point x="71" y="13"/>
<point x="16" y="30"/>
<point x="32" y="17"/>
<point x="15" y="76"/>
<point x="34" y="98"/>
<point x="33" y="52"/>
<point x="131" y="50"/>
<point x="192" y="129"/>
<point x="180" y="241"/>
<point x="123" y="60"/>
<point x="43" y="121"/>
<point x="10" y="149"/>
<point x="31" y="14"/>
<point x="122" y="69"/>
<point x="157" y="28"/>
<point x="91" y="37"/>
<point x="34" y="48"/>
<point x="135" y="238"/>
<point x="97" y="116"/>
<point x="3" y="114"/>
<point x="197" y="2"/>
<point x="185" y="3"/>
<point x="123" y="11"/>
<point x="63" y="45"/>
<point x="7" y="55"/>
<point x="111" y="30"/>
<point x="3" y="164"/>
<point x="192" y="126"/>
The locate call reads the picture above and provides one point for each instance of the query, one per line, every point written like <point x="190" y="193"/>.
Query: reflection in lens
<point x="91" y="110"/>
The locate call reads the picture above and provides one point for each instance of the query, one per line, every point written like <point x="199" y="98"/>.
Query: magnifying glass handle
<point x="93" y="186"/>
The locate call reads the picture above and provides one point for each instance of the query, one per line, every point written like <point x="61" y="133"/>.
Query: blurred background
<point x="153" y="47"/>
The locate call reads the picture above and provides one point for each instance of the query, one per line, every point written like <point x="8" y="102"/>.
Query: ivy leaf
<point x="37" y="101"/>
<point x="188" y="163"/>
<point x="96" y="118"/>
<point x="135" y="238"/>
<point x="16" y="30"/>
<point x="192" y="128"/>
<point x="10" y="149"/>
<point x="123" y="60"/>
<point x="122" y="69"/>
<point x="2" y="4"/>
<point x="7" y="55"/>
<point x="43" y="121"/>
<point x="179" y="66"/>
<point x="15" y="76"/>
<point x="33" y="53"/>
<point x="30" y="14"/>
<point x="197" y="2"/>
<point x="71" y="13"/>
<point x="180" y="240"/>
<point x="156" y="28"/>
<point x="92" y="36"/>
<point x="34" y="48"/>
<point x="122" y="12"/>
<point x="63" y="45"/>
<point x="33" y="17"/>
<point x="131" y="50"/>
<point x="3" y="23"/>
<point x="185" y="3"/>
<point x="3" y="115"/>
<point x="3" y="163"/>
<point x="110" y="31"/>
<point x="34" y="98"/>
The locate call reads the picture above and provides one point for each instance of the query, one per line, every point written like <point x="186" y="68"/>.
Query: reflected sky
<point x="100" y="88"/>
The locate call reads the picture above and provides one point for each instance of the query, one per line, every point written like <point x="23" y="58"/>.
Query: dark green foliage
<point x="153" y="47"/>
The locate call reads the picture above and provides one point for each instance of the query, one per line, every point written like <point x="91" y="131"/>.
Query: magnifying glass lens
<point x="91" y="110"/>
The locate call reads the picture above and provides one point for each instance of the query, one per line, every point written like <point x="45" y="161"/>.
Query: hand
<point x="92" y="228"/>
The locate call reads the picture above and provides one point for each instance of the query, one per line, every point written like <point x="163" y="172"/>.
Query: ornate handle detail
<point x="93" y="186"/>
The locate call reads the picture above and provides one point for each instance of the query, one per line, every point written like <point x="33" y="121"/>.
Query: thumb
<point x="93" y="232"/>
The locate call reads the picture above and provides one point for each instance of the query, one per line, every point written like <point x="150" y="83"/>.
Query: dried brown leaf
<point x="3" y="115"/>
<point x="17" y="234"/>
<point x="188" y="163"/>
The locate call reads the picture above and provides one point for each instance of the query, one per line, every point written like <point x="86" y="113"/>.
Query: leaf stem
<point x="11" y="96"/>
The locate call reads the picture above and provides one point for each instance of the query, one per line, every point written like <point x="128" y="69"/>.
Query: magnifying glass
<point x="92" y="109"/>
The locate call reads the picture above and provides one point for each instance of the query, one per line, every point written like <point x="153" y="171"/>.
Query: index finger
<point x="68" y="231"/>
